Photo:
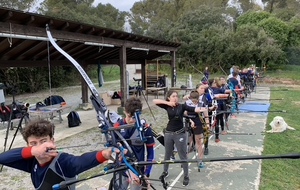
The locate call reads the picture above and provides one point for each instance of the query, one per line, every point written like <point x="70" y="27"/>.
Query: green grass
<point x="110" y="73"/>
<point x="287" y="72"/>
<point x="282" y="174"/>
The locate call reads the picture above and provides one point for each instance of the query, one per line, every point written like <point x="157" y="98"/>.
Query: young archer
<point x="46" y="165"/>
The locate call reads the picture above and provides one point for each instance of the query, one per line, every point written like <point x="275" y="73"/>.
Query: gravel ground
<point x="12" y="179"/>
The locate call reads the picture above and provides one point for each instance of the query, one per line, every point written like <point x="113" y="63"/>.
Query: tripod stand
<point x="139" y="92"/>
<point x="23" y="113"/>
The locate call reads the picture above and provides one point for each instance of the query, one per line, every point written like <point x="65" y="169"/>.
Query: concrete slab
<point x="232" y="175"/>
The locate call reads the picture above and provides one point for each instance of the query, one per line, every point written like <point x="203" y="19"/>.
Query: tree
<point x="277" y="29"/>
<point x="257" y="47"/>
<point x="252" y="17"/>
<point x="143" y="14"/>
<point x="275" y="5"/>
<point x="194" y="31"/>
<point x="84" y="12"/>
<point x="23" y="5"/>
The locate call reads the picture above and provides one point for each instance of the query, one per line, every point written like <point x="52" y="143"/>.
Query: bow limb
<point x="197" y="70"/>
<point x="222" y="69"/>
<point x="234" y="107"/>
<point x="97" y="102"/>
<point x="65" y="184"/>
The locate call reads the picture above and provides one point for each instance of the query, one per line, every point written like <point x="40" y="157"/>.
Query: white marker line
<point x="181" y="173"/>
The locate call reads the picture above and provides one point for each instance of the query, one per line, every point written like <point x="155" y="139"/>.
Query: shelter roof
<point x="23" y="42"/>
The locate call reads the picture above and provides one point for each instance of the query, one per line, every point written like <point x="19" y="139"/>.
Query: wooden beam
<point x="78" y="37"/>
<point x="7" y="16"/>
<point x="42" y="63"/>
<point x="91" y="30"/>
<point x="29" y="20"/>
<point x="80" y="27"/>
<point x="65" y="25"/>
<point x="117" y="61"/>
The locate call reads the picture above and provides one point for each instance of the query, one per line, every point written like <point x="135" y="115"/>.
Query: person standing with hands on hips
<point x="175" y="131"/>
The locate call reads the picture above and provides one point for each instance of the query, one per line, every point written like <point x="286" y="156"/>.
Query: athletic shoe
<point x="217" y="140"/>
<point x="201" y="165"/>
<point x="164" y="175"/>
<point x="186" y="181"/>
<point x="173" y="155"/>
<point x="206" y="151"/>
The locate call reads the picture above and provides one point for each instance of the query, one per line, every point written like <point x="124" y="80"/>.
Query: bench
<point x="48" y="111"/>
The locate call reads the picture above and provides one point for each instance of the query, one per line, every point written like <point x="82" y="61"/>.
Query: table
<point x="177" y="88"/>
<point x="48" y="111"/>
<point x="156" y="89"/>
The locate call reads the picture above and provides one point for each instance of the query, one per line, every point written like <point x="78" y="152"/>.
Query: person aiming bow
<point x="131" y="135"/>
<point x="196" y="124"/>
<point x="46" y="165"/>
<point x="175" y="131"/>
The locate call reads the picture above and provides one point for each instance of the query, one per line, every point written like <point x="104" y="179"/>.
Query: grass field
<point x="283" y="174"/>
<point x="288" y="72"/>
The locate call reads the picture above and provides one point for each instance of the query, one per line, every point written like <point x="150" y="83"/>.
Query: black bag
<point x="73" y="119"/>
<point x="5" y="113"/>
<point x="52" y="100"/>
<point x="116" y="96"/>
<point x="161" y="82"/>
<point x="38" y="105"/>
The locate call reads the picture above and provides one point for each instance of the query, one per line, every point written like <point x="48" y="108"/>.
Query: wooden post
<point x="156" y="69"/>
<point x="144" y="75"/>
<point x="123" y="81"/>
<point x="173" y="65"/>
<point x="84" y="87"/>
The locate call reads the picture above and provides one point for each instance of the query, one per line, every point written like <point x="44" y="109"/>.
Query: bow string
<point x="104" y="124"/>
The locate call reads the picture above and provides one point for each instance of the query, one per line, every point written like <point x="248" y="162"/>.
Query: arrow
<point x="65" y="184"/>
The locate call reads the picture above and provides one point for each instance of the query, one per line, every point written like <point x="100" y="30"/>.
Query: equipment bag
<point x="73" y="119"/>
<point x="5" y="113"/>
<point x="52" y="100"/>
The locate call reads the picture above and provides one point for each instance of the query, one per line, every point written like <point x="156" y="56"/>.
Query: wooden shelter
<point x="23" y="43"/>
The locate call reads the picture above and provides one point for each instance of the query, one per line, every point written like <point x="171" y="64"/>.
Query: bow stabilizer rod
<point x="122" y="167"/>
<point x="222" y="159"/>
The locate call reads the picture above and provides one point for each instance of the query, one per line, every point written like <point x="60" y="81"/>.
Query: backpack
<point x="52" y="100"/>
<point x="116" y="96"/>
<point x="73" y="119"/>
<point x="38" y="105"/>
<point x="161" y="81"/>
<point x="5" y="113"/>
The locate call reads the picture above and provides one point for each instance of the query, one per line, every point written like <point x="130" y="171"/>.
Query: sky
<point x="125" y="5"/>
<point x="122" y="5"/>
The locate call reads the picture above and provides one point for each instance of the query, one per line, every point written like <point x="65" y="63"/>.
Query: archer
<point x="138" y="146"/>
<point x="46" y="165"/>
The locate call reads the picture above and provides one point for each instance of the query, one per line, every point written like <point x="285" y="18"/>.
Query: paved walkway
<point x="234" y="175"/>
